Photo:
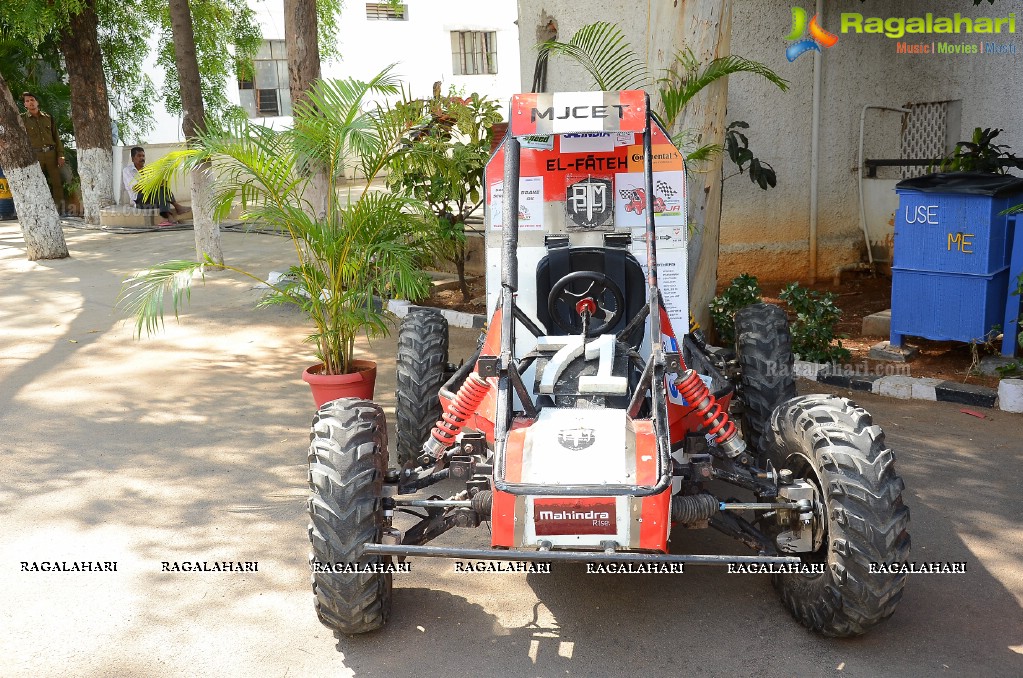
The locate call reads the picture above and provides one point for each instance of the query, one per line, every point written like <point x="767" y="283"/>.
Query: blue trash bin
<point x="6" y="199"/>
<point x="950" y="265"/>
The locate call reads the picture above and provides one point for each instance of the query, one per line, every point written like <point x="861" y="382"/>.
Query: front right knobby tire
<point x="347" y="463"/>
<point x="763" y="348"/>
<point x="831" y="442"/>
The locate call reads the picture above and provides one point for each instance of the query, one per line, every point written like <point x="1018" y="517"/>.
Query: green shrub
<point x="1011" y="369"/>
<point x="743" y="291"/>
<point x="813" y="332"/>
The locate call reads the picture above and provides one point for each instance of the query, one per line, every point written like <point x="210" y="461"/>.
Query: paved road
<point x="190" y="446"/>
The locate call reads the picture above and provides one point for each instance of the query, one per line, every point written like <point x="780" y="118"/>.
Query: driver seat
<point x="616" y="263"/>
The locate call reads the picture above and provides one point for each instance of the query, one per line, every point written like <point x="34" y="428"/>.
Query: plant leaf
<point x="601" y="49"/>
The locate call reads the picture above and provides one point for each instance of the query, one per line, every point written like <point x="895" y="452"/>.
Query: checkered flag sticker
<point x="665" y="189"/>
<point x="628" y="194"/>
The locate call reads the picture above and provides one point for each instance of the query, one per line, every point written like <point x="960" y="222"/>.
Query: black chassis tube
<point x="449" y="388"/>
<point x="569" y="556"/>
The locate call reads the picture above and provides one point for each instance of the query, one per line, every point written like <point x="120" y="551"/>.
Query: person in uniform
<point x="43" y="137"/>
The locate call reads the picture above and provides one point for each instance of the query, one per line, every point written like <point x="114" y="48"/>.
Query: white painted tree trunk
<point x="207" y="231"/>
<point x="40" y="224"/>
<point x="95" y="166"/>
<point x="705" y="27"/>
<point x="316" y="193"/>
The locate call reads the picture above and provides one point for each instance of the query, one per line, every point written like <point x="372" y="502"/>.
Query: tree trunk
<point x="705" y="26"/>
<point x="459" y="259"/>
<point x="303" y="50"/>
<point x="40" y="224"/>
<point x="90" y="111"/>
<point x="207" y="240"/>
<point x="207" y="233"/>
<point x="300" y="36"/>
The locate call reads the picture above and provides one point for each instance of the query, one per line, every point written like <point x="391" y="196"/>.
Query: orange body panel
<point x="656" y="515"/>
<point x="502" y="525"/>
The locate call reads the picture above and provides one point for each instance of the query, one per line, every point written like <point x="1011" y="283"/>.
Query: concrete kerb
<point x="401" y="308"/>
<point x="1008" y="397"/>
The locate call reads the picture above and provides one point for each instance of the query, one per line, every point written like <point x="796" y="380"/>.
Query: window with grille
<point x="930" y="131"/>
<point x="385" y="11"/>
<point x="474" y="52"/>
<point x="264" y="90"/>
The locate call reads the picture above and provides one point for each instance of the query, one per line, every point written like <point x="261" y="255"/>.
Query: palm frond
<point x="142" y="295"/>
<point x="703" y="153"/>
<point x="601" y="49"/>
<point x="684" y="80"/>
<point x="347" y="252"/>
<point x="337" y="122"/>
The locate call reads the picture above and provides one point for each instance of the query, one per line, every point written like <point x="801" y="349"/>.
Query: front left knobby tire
<point x="832" y="443"/>
<point x="347" y="463"/>
<point x="420" y="371"/>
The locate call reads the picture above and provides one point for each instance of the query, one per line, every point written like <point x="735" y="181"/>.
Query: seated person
<point x="162" y="199"/>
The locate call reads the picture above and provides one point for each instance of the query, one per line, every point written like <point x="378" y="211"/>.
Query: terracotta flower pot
<point x="357" y="384"/>
<point x="499" y="129"/>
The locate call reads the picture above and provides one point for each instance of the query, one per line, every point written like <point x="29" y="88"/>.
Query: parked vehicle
<point x="590" y="423"/>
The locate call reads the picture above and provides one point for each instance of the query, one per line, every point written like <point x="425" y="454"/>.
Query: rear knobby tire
<point x="347" y="462"/>
<point x="763" y="347"/>
<point x="421" y="371"/>
<point x="831" y="442"/>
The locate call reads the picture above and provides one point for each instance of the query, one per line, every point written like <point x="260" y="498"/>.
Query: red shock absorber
<point x="457" y="413"/>
<point x="714" y="420"/>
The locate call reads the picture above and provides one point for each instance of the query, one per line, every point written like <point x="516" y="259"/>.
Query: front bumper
<point x="562" y="556"/>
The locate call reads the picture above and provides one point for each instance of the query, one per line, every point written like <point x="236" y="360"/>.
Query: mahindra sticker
<point x="576" y="439"/>
<point x="574" y="516"/>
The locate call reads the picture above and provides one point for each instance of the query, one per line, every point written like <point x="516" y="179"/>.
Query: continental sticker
<point x="666" y="158"/>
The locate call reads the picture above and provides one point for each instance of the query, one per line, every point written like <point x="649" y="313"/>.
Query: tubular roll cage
<point x="508" y="375"/>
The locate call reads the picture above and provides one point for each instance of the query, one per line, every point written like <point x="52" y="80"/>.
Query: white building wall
<point x="767" y="232"/>
<point x="420" y="46"/>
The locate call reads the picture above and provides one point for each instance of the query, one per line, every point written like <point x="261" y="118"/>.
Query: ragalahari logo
<point x="818" y="36"/>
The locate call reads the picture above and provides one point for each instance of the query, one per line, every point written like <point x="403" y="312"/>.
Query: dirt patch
<point x="858" y="296"/>
<point x="449" y="296"/>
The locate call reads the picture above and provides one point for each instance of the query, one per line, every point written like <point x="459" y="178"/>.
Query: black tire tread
<point x="347" y="462"/>
<point x="420" y="372"/>
<point x="763" y="346"/>
<point x="867" y="520"/>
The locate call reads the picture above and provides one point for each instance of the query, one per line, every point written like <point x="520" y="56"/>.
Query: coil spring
<point x="712" y="417"/>
<point x="457" y="413"/>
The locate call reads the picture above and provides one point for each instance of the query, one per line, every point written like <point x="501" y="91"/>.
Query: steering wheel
<point x="592" y="298"/>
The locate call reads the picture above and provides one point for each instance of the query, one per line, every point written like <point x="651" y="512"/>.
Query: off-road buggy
<point x="586" y="426"/>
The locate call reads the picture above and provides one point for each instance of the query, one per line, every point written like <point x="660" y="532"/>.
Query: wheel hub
<point x="803" y="529"/>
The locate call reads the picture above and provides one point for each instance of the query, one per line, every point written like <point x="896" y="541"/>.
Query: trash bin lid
<point x="968" y="183"/>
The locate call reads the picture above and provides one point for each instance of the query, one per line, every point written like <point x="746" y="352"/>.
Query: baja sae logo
<point x="576" y="439"/>
<point x="574" y="516"/>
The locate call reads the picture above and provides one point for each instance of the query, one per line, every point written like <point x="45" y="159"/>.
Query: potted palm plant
<point x="354" y="245"/>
